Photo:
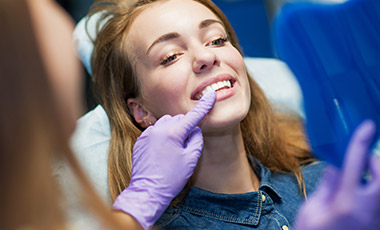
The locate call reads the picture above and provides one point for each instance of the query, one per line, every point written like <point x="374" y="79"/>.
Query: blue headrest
<point x="334" y="51"/>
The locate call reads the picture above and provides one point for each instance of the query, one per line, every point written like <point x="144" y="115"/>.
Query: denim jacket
<point x="273" y="206"/>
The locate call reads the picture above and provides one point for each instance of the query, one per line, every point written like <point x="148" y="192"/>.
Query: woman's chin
<point x="219" y="126"/>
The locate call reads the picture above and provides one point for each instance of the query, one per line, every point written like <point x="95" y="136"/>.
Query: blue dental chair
<point x="334" y="51"/>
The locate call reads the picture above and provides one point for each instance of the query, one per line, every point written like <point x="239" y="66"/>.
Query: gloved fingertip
<point x="366" y="130"/>
<point x="209" y="96"/>
<point x="206" y="102"/>
<point x="201" y="109"/>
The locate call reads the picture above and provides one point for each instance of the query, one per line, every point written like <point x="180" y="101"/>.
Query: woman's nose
<point x="204" y="59"/>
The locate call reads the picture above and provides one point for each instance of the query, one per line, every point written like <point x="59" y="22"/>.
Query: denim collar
<point x="245" y="208"/>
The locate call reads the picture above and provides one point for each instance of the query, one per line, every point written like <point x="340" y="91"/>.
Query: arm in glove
<point x="342" y="201"/>
<point x="164" y="158"/>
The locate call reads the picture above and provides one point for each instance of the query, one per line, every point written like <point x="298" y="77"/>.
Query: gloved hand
<point x="342" y="201"/>
<point x="164" y="158"/>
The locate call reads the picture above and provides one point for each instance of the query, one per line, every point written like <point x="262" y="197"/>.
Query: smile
<point x="216" y="84"/>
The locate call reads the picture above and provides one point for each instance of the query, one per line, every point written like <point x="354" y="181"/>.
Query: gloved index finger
<point x="357" y="151"/>
<point x="196" y="115"/>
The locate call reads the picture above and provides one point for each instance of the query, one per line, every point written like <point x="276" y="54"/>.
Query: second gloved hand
<point x="164" y="158"/>
<point x="342" y="201"/>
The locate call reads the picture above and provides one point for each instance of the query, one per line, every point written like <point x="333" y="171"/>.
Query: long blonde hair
<point x="31" y="132"/>
<point x="275" y="140"/>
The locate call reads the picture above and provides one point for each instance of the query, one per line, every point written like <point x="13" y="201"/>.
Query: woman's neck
<point x="224" y="166"/>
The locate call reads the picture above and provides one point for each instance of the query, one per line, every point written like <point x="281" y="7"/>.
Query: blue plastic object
<point x="334" y="51"/>
<point x="251" y="23"/>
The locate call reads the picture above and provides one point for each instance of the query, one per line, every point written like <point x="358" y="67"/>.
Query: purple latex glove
<point x="164" y="158"/>
<point x="342" y="201"/>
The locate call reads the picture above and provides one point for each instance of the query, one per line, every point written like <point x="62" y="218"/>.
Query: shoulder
<point x="313" y="168"/>
<point x="312" y="173"/>
<point x="286" y="185"/>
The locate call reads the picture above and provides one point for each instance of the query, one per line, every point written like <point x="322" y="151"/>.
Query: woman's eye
<point x="169" y="59"/>
<point x="218" y="42"/>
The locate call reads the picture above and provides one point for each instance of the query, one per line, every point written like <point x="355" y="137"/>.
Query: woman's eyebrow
<point x="208" y="22"/>
<point x="163" y="38"/>
<point x="203" y="24"/>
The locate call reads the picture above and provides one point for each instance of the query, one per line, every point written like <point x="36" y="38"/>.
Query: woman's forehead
<point x="168" y="16"/>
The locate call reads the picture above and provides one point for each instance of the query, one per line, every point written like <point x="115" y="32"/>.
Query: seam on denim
<point x="275" y="219"/>
<point x="286" y="220"/>
<point x="259" y="204"/>
<point x="219" y="217"/>
<point x="170" y="219"/>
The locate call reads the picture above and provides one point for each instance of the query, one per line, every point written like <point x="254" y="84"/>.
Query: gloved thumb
<point x="357" y="154"/>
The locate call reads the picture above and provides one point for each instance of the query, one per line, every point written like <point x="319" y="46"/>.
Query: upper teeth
<point x="216" y="86"/>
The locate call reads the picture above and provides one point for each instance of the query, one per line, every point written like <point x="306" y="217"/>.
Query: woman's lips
<point x="222" y="84"/>
<point x="225" y="93"/>
<point x="217" y="87"/>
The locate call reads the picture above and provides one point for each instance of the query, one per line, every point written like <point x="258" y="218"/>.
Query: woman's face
<point x="181" y="49"/>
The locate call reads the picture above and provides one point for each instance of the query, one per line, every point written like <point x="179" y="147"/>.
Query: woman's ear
<point x="143" y="117"/>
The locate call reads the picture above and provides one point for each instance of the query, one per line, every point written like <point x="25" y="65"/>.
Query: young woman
<point x="40" y="99"/>
<point x="154" y="58"/>
<point x="152" y="61"/>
